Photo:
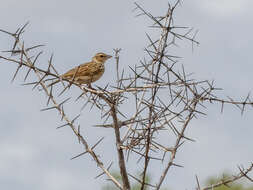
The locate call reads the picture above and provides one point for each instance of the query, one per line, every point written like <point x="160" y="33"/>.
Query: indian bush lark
<point x="87" y="73"/>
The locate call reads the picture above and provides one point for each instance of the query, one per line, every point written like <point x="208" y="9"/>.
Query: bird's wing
<point x="81" y="70"/>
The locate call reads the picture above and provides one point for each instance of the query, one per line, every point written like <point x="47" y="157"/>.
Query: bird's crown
<point x="101" y="57"/>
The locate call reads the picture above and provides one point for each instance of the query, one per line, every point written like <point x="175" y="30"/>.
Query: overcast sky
<point x="34" y="155"/>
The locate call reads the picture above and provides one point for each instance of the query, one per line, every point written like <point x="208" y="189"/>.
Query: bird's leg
<point x="89" y="85"/>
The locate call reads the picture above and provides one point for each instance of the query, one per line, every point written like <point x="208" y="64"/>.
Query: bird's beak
<point x="109" y="56"/>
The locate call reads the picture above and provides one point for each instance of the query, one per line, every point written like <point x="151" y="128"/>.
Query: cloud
<point x="11" y="152"/>
<point x="75" y="30"/>
<point x="223" y="8"/>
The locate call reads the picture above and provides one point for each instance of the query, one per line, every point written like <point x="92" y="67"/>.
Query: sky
<point x="35" y="155"/>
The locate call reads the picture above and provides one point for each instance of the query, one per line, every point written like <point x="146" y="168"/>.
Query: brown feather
<point x="85" y="73"/>
<point x="88" y="72"/>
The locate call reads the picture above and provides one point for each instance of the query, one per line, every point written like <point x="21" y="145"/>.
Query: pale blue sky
<point x="34" y="155"/>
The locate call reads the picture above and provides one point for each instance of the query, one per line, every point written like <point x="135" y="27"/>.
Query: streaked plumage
<point x="87" y="73"/>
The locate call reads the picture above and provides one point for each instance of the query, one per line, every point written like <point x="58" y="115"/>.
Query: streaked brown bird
<point x="87" y="73"/>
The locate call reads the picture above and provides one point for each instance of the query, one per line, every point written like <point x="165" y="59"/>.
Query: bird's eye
<point x="101" y="55"/>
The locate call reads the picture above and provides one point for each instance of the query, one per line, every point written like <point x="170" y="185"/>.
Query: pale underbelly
<point x="88" y="79"/>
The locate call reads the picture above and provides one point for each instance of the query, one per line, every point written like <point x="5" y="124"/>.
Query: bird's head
<point x="101" y="57"/>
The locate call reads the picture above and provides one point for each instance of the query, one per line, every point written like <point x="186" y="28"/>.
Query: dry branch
<point x="163" y="97"/>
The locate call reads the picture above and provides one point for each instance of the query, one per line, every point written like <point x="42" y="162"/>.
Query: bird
<point x="86" y="73"/>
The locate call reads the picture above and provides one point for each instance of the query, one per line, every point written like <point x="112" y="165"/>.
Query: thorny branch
<point x="26" y="61"/>
<point x="228" y="180"/>
<point x="163" y="97"/>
